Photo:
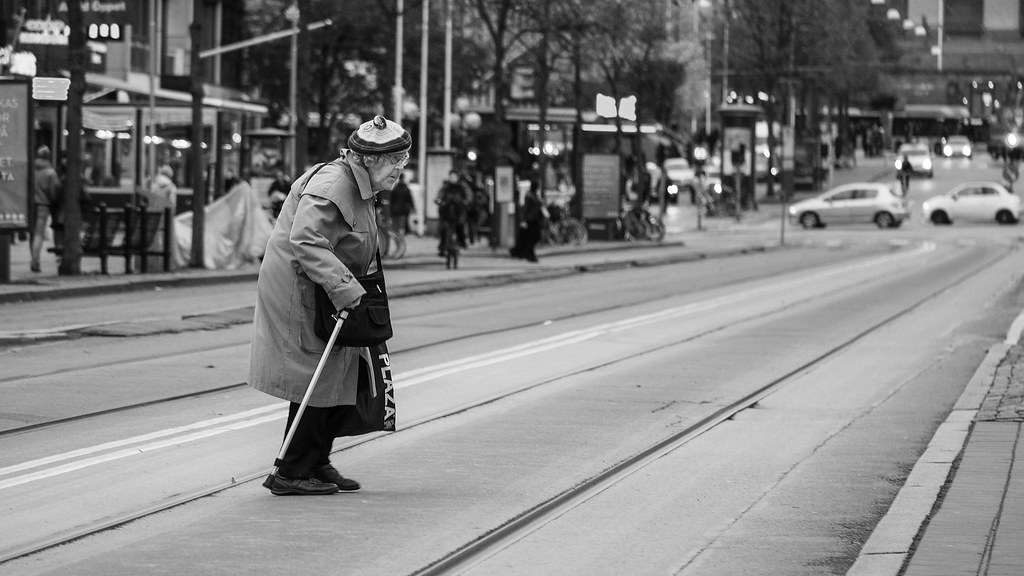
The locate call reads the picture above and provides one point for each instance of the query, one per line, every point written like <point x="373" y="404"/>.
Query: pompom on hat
<point x="379" y="136"/>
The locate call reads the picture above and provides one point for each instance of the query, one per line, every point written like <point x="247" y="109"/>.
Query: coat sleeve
<point x="316" y="230"/>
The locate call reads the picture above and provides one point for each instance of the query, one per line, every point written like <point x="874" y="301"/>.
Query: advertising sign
<point x="732" y="138"/>
<point x="120" y="12"/>
<point x="15" y="134"/>
<point x="601" y="176"/>
<point x="504" y="184"/>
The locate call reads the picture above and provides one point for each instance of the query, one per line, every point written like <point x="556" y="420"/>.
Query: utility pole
<point x="196" y="151"/>
<point x="292" y="14"/>
<point x="421" y="154"/>
<point x="447" y="114"/>
<point x="398" y="92"/>
<point x="71" y="260"/>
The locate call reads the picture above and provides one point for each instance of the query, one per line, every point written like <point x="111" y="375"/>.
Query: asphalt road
<point x="511" y="396"/>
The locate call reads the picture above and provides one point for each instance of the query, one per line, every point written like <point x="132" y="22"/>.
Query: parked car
<point x="919" y="156"/>
<point x="858" y="202"/>
<point x="977" y="201"/>
<point x="957" y="146"/>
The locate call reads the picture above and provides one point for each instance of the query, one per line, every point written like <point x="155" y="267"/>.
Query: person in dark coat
<point x="401" y="205"/>
<point x="904" y="175"/>
<point x="451" y="211"/>
<point x="278" y="191"/>
<point x="529" y="228"/>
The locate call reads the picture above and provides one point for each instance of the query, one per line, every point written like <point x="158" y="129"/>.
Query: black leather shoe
<point x="282" y="486"/>
<point x="330" y="475"/>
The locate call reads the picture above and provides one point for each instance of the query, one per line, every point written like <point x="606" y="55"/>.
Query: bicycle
<point x="640" y="224"/>
<point x="563" y="229"/>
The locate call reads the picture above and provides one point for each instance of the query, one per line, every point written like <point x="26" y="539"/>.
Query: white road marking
<point x="84" y="457"/>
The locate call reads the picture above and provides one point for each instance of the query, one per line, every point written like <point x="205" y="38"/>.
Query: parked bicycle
<point x="639" y="223"/>
<point x="561" y="228"/>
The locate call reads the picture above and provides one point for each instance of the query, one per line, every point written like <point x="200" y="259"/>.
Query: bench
<point x="129" y="232"/>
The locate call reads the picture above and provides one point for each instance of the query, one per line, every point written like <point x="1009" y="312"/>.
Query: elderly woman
<point x="326" y="234"/>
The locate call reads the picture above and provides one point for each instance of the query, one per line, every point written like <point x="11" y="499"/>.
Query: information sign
<point x="504" y="184"/>
<point x="601" y="174"/>
<point x="15" y="124"/>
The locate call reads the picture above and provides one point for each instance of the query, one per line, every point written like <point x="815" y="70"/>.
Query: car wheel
<point x="809" y="220"/>
<point x="884" y="220"/>
<point x="940" y="217"/>
<point x="1005" y="217"/>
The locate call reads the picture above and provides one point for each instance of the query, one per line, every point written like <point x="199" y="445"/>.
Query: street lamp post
<point x="292" y="14"/>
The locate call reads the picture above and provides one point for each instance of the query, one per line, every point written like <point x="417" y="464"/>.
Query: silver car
<point x="858" y="202"/>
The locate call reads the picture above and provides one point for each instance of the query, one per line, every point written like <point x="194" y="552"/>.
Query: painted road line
<point x="212" y="427"/>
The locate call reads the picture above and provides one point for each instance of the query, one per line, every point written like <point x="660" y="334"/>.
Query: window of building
<point x="966" y="17"/>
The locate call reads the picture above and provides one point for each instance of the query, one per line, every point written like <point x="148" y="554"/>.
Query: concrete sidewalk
<point x="961" y="510"/>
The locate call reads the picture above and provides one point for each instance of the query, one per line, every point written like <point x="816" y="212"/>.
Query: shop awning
<point x="137" y="87"/>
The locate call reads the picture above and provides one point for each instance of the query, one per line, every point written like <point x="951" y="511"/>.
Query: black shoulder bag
<point x="368" y="324"/>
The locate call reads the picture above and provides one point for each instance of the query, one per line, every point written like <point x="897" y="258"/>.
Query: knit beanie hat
<point x="379" y="136"/>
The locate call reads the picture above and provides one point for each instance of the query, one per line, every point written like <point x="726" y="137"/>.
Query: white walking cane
<point x="341" y="316"/>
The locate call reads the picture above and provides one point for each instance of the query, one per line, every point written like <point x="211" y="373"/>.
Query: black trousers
<point x="311" y="445"/>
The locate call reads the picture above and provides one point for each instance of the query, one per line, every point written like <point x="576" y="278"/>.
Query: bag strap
<point x="311" y="174"/>
<point x="380" y="265"/>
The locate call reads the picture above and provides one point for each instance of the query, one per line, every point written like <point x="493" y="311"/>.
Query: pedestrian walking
<point x="326" y="234"/>
<point x="401" y="205"/>
<point x="903" y="174"/>
<point x="451" y="208"/>
<point x="164" y="192"/>
<point x="529" y="228"/>
<point x="45" y="203"/>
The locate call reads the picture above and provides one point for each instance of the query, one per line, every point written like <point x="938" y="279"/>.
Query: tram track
<point x="506" y="534"/>
<point x="501" y="536"/>
<point x="462" y="337"/>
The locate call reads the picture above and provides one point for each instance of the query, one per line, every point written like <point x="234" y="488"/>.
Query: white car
<point x="858" y="202"/>
<point x="919" y="157"/>
<point x="681" y="176"/>
<point x="977" y="201"/>
<point x="957" y="146"/>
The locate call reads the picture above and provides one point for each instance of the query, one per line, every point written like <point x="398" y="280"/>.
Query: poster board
<point x="504" y="184"/>
<point x="601" y="185"/>
<point x="732" y="138"/>
<point x="15" y="162"/>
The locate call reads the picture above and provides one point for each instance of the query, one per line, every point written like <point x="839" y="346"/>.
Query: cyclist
<point x="904" y="175"/>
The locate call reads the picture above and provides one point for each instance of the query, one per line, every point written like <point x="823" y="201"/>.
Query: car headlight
<point x="967" y="150"/>
<point x="899" y="164"/>
<point x="1011" y="140"/>
<point x="927" y="164"/>
<point x="673" y="189"/>
<point x="947" y="150"/>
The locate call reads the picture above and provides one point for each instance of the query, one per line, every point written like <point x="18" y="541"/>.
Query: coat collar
<point x="362" y="177"/>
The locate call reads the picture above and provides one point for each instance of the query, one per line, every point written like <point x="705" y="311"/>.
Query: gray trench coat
<point x="327" y="234"/>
